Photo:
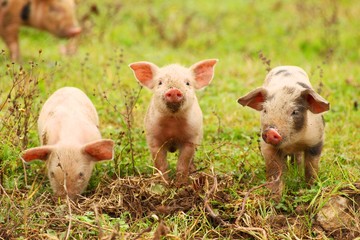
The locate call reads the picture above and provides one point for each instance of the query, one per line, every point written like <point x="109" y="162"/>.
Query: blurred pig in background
<point x="54" y="16"/>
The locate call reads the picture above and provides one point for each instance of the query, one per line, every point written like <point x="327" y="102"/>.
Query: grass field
<point x="227" y="198"/>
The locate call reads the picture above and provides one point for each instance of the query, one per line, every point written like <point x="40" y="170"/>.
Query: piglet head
<point x="284" y="112"/>
<point x="69" y="167"/>
<point x="174" y="85"/>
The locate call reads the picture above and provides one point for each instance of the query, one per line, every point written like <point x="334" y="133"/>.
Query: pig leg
<point x="274" y="161"/>
<point x="159" y="157"/>
<point x="192" y="167"/>
<point x="10" y="36"/>
<point x="296" y="158"/>
<point x="185" y="161"/>
<point x="312" y="158"/>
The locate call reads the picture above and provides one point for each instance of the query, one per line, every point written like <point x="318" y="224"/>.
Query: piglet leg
<point x="159" y="157"/>
<point x="184" y="162"/>
<point x="274" y="161"/>
<point x="312" y="158"/>
<point x="11" y="39"/>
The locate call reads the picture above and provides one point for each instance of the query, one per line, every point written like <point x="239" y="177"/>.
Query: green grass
<point x="319" y="36"/>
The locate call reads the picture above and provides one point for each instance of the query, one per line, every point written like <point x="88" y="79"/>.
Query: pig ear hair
<point x="144" y="72"/>
<point x="38" y="153"/>
<point x="254" y="99"/>
<point x="204" y="72"/>
<point x="100" y="150"/>
<point x="317" y="104"/>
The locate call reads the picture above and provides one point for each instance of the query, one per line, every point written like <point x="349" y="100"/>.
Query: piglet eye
<point x="265" y="111"/>
<point x="160" y="83"/>
<point x="81" y="174"/>
<point x="52" y="174"/>
<point x="188" y="83"/>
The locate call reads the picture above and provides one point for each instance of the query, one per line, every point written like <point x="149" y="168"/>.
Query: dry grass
<point x="150" y="200"/>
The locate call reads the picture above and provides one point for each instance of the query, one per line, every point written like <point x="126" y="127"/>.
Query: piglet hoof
<point x="276" y="189"/>
<point x="163" y="177"/>
<point x="192" y="167"/>
<point x="309" y="184"/>
<point x="276" y="197"/>
<point x="181" y="180"/>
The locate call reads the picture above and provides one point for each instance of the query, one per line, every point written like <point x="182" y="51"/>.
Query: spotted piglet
<point x="291" y="122"/>
<point x="174" y="119"/>
<point x="71" y="141"/>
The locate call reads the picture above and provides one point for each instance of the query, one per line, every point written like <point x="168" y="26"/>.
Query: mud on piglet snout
<point x="174" y="98"/>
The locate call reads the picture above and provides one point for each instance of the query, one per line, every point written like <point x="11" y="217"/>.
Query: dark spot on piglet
<point x="299" y="119"/>
<point x="315" y="150"/>
<point x="284" y="72"/>
<point x="25" y="12"/>
<point x="304" y="85"/>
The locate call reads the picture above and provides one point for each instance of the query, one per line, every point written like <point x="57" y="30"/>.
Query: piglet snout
<point x="174" y="96"/>
<point x="73" y="31"/>
<point x="271" y="136"/>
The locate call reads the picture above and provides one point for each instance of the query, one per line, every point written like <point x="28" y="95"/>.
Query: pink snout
<point x="174" y="96"/>
<point x="271" y="136"/>
<point x="69" y="32"/>
<point x="72" y="32"/>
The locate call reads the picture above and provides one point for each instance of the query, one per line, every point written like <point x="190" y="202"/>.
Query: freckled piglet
<point x="291" y="122"/>
<point x="174" y="118"/>
<point x="71" y="141"/>
<point x="54" y="16"/>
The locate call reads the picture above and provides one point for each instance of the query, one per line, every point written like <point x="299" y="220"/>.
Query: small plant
<point x="265" y="61"/>
<point x="18" y="112"/>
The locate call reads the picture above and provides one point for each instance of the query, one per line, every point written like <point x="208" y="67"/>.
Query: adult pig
<point x="54" y="16"/>
<point x="71" y="141"/>
<point x="291" y="122"/>
<point x="174" y="119"/>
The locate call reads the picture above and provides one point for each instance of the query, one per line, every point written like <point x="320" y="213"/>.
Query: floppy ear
<point x="254" y="99"/>
<point x="144" y="72"/>
<point x="37" y="153"/>
<point x="316" y="103"/>
<point x="203" y="72"/>
<point x="100" y="150"/>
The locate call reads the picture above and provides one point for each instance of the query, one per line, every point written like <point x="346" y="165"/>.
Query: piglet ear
<point x="144" y="72"/>
<point x="316" y="103"/>
<point x="100" y="150"/>
<point x="254" y="99"/>
<point x="203" y="72"/>
<point x="38" y="153"/>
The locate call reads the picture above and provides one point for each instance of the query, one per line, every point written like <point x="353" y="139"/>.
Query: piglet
<point x="174" y="119"/>
<point x="71" y="141"/>
<point x="54" y="16"/>
<point x="291" y="122"/>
